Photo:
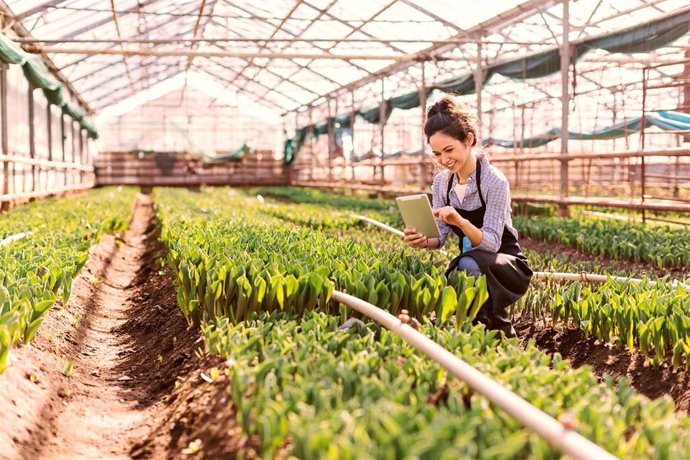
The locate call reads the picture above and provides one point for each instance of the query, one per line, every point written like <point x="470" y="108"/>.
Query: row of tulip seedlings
<point x="38" y="269"/>
<point x="303" y="385"/>
<point x="654" y="320"/>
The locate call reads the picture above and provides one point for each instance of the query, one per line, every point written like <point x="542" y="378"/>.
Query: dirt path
<point x="126" y="342"/>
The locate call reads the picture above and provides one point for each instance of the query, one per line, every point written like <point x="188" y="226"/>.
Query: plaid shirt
<point x="496" y="193"/>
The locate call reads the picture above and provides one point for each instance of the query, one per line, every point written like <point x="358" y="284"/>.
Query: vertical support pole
<point x="63" y="138"/>
<point x="82" y="173"/>
<point x="331" y="141"/>
<point x="565" y="96"/>
<point x="49" y="127"/>
<point x="478" y="81"/>
<point x="643" y="125"/>
<point x="353" y="115"/>
<point x="72" y="142"/>
<point x="5" y="203"/>
<point x="382" y="122"/>
<point x="517" y="167"/>
<point x="686" y="89"/>
<point x="312" y="157"/>
<point x="422" y="104"/>
<point x="32" y="140"/>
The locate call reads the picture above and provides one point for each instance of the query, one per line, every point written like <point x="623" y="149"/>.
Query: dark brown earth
<point x="616" y="361"/>
<point x="609" y="359"/>
<point x="136" y="388"/>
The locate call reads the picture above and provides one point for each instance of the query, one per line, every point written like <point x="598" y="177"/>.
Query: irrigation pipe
<point x="583" y="277"/>
<point x="567" y="441"/>
<point x="380" y="225"/>
<point x="12" y="238"/>
<point x="387" y="227"/>
<point x="594" y="278"/>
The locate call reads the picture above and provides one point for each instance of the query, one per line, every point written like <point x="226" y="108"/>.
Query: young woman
<point x="472" y="198"/>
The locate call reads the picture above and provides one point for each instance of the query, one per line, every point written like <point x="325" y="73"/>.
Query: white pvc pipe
<point x="380" y="224"/>
<point x="567" y="441"/>
<point x="594" y="278"/>
<point x="12" y="238"/>
<point x="583" y="277"/>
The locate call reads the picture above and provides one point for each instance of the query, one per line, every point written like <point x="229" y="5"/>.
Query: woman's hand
<point x="415" y="239"/>
<point x="450" y="216"/>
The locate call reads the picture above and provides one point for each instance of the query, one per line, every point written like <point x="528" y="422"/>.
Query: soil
<point x="606" y="264"/>
<point x="616" y="361"/>
<point x="135" y="387"/>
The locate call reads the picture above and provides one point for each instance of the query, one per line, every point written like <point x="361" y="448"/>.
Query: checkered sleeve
<point x="497" y="197"/>
<point x="439" y="190"/>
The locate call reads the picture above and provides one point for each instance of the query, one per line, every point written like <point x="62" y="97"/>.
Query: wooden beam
<point x="235" y="54"/>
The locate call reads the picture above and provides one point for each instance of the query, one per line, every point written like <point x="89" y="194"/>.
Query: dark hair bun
<point x="451" y="117"/>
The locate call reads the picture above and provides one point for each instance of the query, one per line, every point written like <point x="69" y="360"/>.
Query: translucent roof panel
<point x="288" y="55"/>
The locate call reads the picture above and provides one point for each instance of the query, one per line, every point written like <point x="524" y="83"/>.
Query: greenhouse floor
<point x="581" y="350"/>
<point x="130" y="348"/>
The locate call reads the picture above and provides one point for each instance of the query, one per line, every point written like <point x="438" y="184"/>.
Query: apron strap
<point x="478" y="174"/>
<point x="450" y="187"/>
<point x="479" y="181"/>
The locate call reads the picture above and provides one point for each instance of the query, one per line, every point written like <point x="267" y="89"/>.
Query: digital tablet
<point x="416" y="213"/>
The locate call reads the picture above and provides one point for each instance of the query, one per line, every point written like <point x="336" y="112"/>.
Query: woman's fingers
<point x="445" y="214"/>
<point x="413" y="238"/>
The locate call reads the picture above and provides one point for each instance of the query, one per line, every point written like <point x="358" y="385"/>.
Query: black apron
<point x="507" y="273"/>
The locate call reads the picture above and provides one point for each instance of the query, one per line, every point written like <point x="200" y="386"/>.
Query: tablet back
<point x="416" y="213"/>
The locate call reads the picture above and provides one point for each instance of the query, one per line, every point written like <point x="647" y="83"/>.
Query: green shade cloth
<point x="406" y="101"/>
<point x="235" y="155"/>
<point x="76" y="113"/>
<point x="289" y="151"/>
<point x="55" y="96"/>
<point x="10" y="52"/>
<point x="344" y="121"/>
<point x="374" y="115"/>
<point x="667" y="121"/>
<point x="90" y="129"/>
<point x="463" y="84"/>
<point x="644" y="38"/>
<point x="320" y="129"/>
<point x="38" y="74"/>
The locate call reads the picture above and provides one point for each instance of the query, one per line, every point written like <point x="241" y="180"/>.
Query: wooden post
<point x="5" y="204"/>
<point x="478" y="80"/>
<point x="382" y="120"/>
<point x="565" y="98"/>
<point x="32" y="137"/>
<point x="312" y="157"/>
<point x="643" y="122"/>
<point x="422" y="104"/>
<point x="352" y="139"/>
<point x="331" y="141"/>
<point x="63" y="138"/>
<point x="81" y="156"/>
<point x="50" y="142"/>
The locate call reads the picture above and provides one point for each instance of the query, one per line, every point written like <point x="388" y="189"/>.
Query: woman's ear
<point x="470" y="139"/>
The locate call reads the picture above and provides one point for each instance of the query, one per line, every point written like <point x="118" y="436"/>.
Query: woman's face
<point x="449" y="152"/>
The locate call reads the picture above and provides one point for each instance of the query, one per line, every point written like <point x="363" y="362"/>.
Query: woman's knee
<point x="469" y="266"/>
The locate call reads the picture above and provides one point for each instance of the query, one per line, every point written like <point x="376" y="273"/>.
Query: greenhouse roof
<point x="286" y="55"/>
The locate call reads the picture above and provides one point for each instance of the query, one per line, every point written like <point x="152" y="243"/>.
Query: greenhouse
<point x="327" y="229"/>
